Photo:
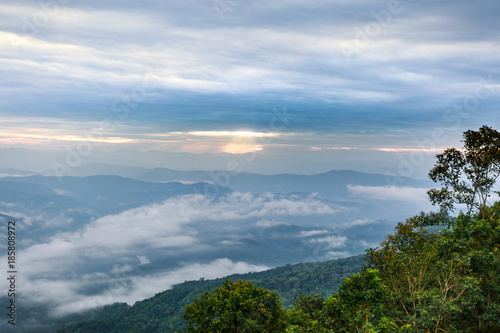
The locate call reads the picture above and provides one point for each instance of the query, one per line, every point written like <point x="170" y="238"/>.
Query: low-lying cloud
<point x="329" y="241"/>
<point x="395" y="193"/>
<point x="108" y="253"/>
<point x="67" y="297"/>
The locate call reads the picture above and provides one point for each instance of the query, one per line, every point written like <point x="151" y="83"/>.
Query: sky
<point x="360" y="84"/>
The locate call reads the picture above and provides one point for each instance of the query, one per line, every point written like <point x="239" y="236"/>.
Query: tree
<point x="236" y="307"/>
<point x="439" y="281"/>
<point x="359" y="305"/>
<point x="467" y="174"/>
<point x="306" y="315"/>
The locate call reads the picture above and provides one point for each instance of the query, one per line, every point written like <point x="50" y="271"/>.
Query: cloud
<point x="122" y="242"/>
<point x="395" y="193"/>
<point x="159" y="226"/>
<point x="164" y="225"/>
<point x="330" y="241"/>
<point x="337" y="254"/>
<point x="117" y="269"/>
<point x="248" y="205"/>
<point x="211" y="74"/>
<point x="313" y="233"/>
<point x="35" y="215"/>
<point x="228" y="242"/>
<point x="143" y="260"/>
<point x="269" y="223"/>
<point x="357" y="222"/>
<point x="117" y="286"/>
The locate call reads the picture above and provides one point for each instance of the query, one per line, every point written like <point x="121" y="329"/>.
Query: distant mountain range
<point x="331" y="184"/>
<point x="104" y="189"/>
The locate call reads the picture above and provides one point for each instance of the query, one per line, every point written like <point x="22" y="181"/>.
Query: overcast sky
<point x="238" y="76"/>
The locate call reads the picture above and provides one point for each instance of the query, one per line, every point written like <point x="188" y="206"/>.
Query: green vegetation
<point x="236" y="307"/>
<point x="425" y="277"/>
<point x="468" y="175"/>
<point x="417" y="281"/>
<point x="435" y="274"/>
<point x="163" y="312"/>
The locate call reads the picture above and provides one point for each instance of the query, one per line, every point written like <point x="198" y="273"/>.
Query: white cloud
<point x="163" y="225"/>
<point x="313" y="233"/>
<point x="330" y="241"/>
<point x="121" y="269"/>
<point x="67" y="297"/>
<point x="248" y="205"/>
<point x="143" y="260"/>
<point x="269" y="223"/>
<point x="230" y="242"/>
<point x="49" y="268"/>
<point x="405" y="194"/>
<point x="60" y="192"/>
<point x="337" y="254"/>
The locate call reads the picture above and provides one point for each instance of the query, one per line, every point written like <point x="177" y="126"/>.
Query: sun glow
<point x="232" y="142"/>
<point x="235" y="133"/>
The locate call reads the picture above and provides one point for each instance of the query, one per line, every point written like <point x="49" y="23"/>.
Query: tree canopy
<point x="236" y="307"/>
<point x="467" y="174"/>
<point x="420" y="279"/>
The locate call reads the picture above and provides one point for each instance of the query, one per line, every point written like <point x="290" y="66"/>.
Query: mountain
<point x="105" y="194"/>
<point x="49" y="204"/>
<point x="13" y="172"/>
<point x="331" y="185"/>
<point x="163" y="312"/>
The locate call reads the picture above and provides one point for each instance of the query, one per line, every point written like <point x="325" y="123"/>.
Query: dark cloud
<point x="341" y="67"/>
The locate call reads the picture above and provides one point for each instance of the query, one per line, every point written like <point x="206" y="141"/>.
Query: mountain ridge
<point x="163" y="312"/>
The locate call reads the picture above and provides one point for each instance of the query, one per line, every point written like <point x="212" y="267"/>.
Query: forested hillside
<point x="435" y="274"/>
<point x="163" y="312"/>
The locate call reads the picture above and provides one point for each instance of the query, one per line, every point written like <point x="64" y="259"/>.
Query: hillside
<point x="162" y="313"/>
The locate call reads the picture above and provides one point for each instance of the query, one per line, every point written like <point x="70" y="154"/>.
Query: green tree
<point x="467" y="174"/>
<point x="236" y="307"/>
<point x="440" y="281"/>
<point x="306" y="315"/>
<point x="311" y="304"/>
<point x="359" y="304"/>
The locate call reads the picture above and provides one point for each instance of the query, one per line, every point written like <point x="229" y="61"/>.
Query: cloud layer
<point x="406" y="194"/>
<point x="108" y="259"/>
<point x="353" y="67"/>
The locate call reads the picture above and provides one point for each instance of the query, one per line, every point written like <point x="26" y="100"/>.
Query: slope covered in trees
<point x="163" y="312"/>
<point x="421" y="279"/>
<point x="435" y="274"/>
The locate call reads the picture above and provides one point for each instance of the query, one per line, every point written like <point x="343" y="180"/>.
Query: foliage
<point x="163" y="312"/>
<point x="306" y="315"/>
<point x="236" y="307"/>
<point x="443" y="281"/>
<point x="420" y="279"/>
<point x="358" y="303"/>
<point x="311" y="304"/>
<point x="468" y="175"/>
